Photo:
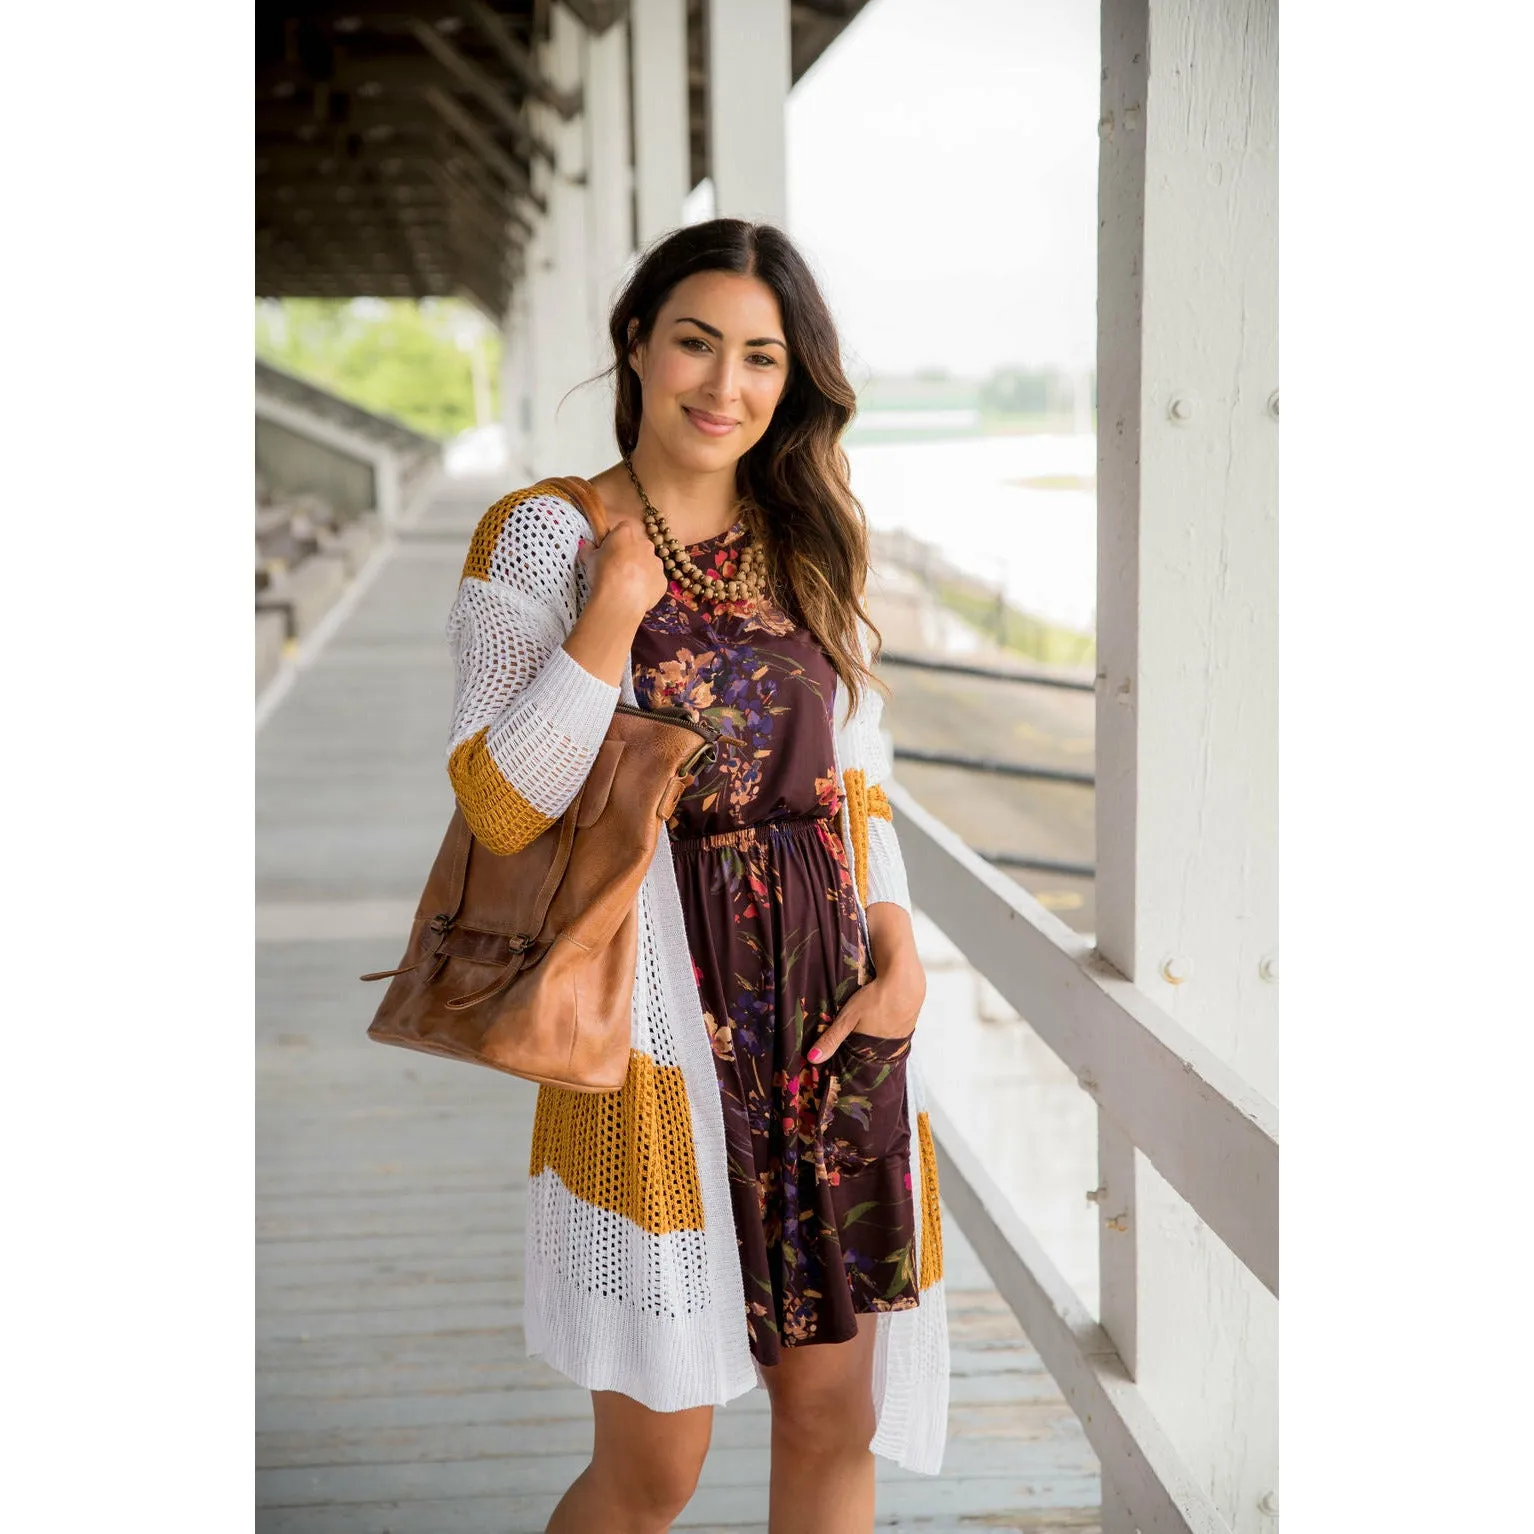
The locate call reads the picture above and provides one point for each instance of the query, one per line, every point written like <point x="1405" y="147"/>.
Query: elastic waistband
<point x="788" y="825"/>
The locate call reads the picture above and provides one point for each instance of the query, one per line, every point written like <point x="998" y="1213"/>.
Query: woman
<point x="759" y="1202"/>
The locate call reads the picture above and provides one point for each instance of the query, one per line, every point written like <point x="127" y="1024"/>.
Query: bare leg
<point x="822" y="1423"/>
<point x="644" y="1468"/>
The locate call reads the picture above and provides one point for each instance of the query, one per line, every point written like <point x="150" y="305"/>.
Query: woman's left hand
<point x="887" y="1007"/>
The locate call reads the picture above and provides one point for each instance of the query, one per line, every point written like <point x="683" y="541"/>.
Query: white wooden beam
<point x="749" y="73"/>
<point x="1155" y="1487"/>
<point x="1187" y="706"/>
<point x="1209" y="1133"/>
<point x="580" y="250"/>
<point x="1117" y="1247"/>
<point x="560" y="435"/>
<point x="662" y="152"/>
<point x="517" y="387"/>
<point x="609" y="184"/>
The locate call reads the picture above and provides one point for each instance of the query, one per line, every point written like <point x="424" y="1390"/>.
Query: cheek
<point x="671" y="373"/>
<point x="764" y="391"/>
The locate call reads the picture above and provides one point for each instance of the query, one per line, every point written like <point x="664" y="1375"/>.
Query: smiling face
<point x="712" y="370"/>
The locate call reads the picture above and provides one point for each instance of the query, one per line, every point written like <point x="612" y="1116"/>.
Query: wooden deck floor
<point x="394" y="1396"/>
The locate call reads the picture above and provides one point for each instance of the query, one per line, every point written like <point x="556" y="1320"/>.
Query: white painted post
<point x="580" y="251"/>
<point x="662" y="153"/>
<point x="558" y="437"/>
<point x="749" y="73"/>
<point x="1187" y="705"/>
<point x="610" y="223"/>
<point x="516" y="385"/>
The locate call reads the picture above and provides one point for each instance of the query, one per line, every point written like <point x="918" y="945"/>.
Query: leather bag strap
<point x="458" y="871"/>
<point x="584" y="494"/>
<point x="457" y="875"/>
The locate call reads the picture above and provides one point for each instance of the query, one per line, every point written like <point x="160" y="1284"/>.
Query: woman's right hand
<point x="625" y="569"/>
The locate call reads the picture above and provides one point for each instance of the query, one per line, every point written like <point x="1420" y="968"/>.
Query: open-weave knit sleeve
<point x="528" y="718"/>
<point x="886" y="867"/>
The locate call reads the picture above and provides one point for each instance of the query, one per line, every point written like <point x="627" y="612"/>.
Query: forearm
<point x="891" y="936"/>
<point x="526" y="730"/>
<point x="603" y="634"/>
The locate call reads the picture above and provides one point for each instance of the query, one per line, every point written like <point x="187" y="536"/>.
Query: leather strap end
<point x="672" y="795"/>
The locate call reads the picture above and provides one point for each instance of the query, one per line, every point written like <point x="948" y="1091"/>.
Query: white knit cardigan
<point x="632" y="1273"/>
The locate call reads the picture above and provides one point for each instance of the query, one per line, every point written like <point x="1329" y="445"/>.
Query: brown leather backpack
<point x="526" y="962"/>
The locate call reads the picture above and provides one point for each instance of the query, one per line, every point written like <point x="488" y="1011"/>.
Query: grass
<point x="990" y="424"/>
<point x="1054" y="482"/>
<point x="1021" y="632"/>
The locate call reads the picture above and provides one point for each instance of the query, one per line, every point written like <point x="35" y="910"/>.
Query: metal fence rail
<point x="991" y="764"/>
<point x="995" y="673"/>
<point x="1029" y="771"/>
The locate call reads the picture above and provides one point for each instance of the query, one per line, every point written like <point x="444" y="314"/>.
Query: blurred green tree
<point x="433" y="364"/>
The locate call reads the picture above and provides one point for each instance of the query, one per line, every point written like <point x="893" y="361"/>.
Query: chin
<point x="699" y="454"/>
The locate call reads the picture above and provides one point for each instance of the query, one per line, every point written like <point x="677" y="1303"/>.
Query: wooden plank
<point x="513" y="1474"/>
<point x="1209" y="1133"/>
<point x="1118" y="1229"/>
<point x="1134" y="1449"/>
<point x="1187" y="660"/>
<point x="550" y="1394"/>
<point x="561" y="1421"/>
<point x="737" y="1512"/>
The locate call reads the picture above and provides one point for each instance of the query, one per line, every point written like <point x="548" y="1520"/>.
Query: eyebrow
<point x="718" y="335"/>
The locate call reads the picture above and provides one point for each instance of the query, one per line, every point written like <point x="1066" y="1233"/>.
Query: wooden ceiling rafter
<point x="397" y="151"/>
<point x="485" y="89"/>
<point x="520" y="61"/>
<point x="485" y="148"/>
<point x="493" y="211"/>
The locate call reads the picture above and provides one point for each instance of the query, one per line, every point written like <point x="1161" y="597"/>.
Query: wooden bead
<point x="748" y="574"/>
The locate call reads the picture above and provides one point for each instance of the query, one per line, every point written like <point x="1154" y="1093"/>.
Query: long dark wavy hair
<point x="794" y="486"/>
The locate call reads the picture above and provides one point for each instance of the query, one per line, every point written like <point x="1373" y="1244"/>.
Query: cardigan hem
<point x="588" y="1338"/>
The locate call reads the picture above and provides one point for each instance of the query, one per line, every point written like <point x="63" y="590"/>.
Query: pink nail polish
<point x="815" y="1056"/>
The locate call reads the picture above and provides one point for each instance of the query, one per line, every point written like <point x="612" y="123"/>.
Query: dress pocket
<point x="869" y="1122"/>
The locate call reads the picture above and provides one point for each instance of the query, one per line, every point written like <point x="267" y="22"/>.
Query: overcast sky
<point x="942" y="175"/>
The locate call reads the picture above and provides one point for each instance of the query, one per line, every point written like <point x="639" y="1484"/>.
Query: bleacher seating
<point x="305" y="556"/>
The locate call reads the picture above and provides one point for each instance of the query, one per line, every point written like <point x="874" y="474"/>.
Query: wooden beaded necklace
<point x="751" y="571"/>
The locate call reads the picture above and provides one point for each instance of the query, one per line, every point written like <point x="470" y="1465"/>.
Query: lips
<point x="712" y="425"/>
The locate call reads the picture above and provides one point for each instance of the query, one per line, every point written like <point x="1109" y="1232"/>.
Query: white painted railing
<point x="1207" y="1132"/>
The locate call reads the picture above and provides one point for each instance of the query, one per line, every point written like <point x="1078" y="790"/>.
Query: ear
<point x="632" y="348"/>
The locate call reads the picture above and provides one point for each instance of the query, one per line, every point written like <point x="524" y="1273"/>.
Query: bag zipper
<point x="679" y="716"/>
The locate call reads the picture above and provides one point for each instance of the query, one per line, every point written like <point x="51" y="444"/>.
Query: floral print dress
<point x="819" y="1155"/>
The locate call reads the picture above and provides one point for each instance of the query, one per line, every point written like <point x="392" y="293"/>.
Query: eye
<point x="762" y="357"/>
<point x="695" y="341"/>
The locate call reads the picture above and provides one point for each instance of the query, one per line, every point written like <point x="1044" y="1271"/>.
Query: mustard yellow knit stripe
<point x="488" y="533"/>
<point x="930" y="1258"/>
<point x="878" y="804"/>
<point x="497" y="814"/>
<point x="629" y="1151"/>
<point x="857" y="819"/>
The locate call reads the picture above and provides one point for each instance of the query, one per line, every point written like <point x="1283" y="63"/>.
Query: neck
<point x="696" y="504"/>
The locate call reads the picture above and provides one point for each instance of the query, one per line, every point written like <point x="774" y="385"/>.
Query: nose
<point x="725" y="380"/>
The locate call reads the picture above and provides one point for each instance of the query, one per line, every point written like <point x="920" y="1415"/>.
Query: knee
<point x="823" y="1424"/>
<point x="652" y="1488"/>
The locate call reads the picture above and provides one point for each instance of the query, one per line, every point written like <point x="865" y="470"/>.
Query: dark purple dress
<point x="819" y="1155"/>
